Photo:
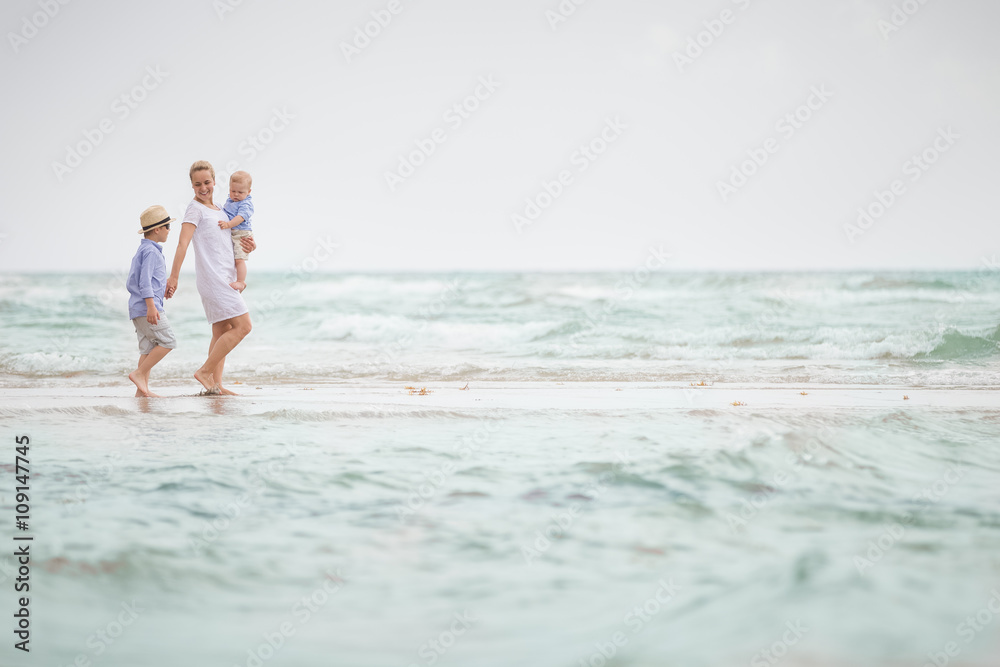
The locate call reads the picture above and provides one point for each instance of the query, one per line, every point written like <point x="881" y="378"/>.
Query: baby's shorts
<point x="151" y="335"/>
<point x="237" y="246"/>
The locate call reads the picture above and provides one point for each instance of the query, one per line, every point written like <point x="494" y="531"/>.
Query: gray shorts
<point x="237" y="246"/>
<point x="151" y="335"/>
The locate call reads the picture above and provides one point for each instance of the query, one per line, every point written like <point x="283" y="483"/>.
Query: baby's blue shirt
<point x="244" y="208"/>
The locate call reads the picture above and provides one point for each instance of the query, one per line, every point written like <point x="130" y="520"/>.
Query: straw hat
<point x="153" y="217"/>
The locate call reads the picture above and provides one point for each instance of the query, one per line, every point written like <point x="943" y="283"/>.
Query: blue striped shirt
<point x="147" y="278"/>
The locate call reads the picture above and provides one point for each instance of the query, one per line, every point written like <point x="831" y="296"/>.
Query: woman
<point x="215" y="268"/>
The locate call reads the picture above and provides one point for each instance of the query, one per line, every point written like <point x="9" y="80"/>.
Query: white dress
<point x="215" y="264"/>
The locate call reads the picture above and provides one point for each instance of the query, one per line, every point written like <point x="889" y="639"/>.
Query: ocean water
<point x="917" y="328"/>
<point x="579" y="503"/>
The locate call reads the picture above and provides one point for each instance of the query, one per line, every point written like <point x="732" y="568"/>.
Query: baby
<point x="239" y="208"/>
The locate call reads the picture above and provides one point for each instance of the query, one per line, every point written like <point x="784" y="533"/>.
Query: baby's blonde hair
<point x="242" y="177"/>
<point x="201" y="165"/>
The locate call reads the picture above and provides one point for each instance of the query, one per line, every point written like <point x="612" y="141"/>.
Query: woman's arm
<point x="187" y="232"/>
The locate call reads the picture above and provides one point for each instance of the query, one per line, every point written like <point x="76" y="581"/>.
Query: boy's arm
<point x="152" y="314"/>
<point x="187" y="232"/>
<point x="146" y="290"/>
<point x="146" y="281"/>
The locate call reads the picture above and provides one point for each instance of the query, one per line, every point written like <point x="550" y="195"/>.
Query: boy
<point x="239" y="208"/>
<point x="147" y="279"/>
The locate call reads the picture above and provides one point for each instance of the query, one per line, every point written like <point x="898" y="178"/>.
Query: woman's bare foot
<point x="207" y="381"/>
<point x="227" y="392"/>
<point x="239" y="285"/>
<point x="140" y="382"/>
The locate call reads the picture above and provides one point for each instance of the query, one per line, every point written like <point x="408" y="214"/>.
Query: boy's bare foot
<point x="142" y="389"/>
<point x="207" y="381"/>
<point x="239" y="285"/>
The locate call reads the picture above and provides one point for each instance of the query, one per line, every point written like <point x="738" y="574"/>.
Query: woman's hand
<point x="248" y="244"/>
<point x="171" y="287"/>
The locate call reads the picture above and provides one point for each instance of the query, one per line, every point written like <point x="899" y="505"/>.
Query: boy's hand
<point x="171" y="288"/>
<point x="224" y="224"/>
<point x="153" y="316"/>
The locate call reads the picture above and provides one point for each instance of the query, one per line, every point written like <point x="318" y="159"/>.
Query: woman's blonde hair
<point x="201" y="165"/>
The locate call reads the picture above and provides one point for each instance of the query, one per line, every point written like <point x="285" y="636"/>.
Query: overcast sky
<point x="668" y="122"/>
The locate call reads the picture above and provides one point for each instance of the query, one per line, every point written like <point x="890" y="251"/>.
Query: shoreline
<point x="537" y="395"/>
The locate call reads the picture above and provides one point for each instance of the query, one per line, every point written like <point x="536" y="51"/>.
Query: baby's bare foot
<point x="239" y="285"/>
